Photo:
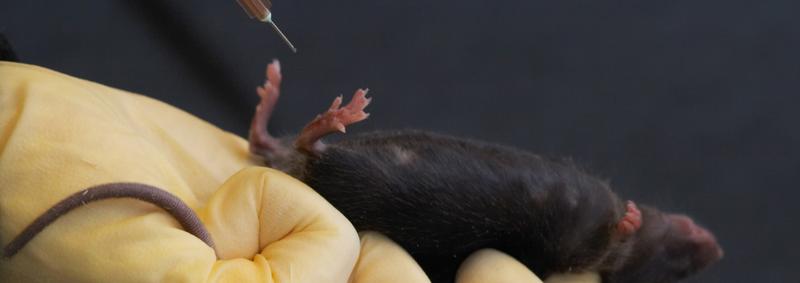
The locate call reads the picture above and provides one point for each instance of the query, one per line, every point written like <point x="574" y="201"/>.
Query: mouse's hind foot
<point x="333" y="120"/>
<point x="261" y="142"/>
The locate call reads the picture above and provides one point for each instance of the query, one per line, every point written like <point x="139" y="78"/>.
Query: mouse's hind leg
<point x="261" y="142"/>
<point x="334" y="119"/>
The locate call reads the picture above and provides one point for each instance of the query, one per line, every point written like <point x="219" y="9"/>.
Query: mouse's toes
<point x="354" y="110"/>
<point x="336" y="118"/>
<point x="272" y="85"/>
<point x="269" y="96"/>
<point x="359" y="101"/>
<point x="274" y="73"/>
<point x="337" y="102"/>
<point x="261" y="142"/>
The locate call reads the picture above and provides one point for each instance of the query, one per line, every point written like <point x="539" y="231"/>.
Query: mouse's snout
<point x="704" y="244"/>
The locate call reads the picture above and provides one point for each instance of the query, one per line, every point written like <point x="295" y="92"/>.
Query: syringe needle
<point x="259" y="9"/>
<point x="283" y="36"/>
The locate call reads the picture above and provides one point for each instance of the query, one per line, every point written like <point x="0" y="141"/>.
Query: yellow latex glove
<point x="59" y="135"/>
<point x="490" y="265"/>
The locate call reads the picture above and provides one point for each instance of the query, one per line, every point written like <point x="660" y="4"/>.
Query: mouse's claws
<point x="354" y="110"/>
<point x="261" y="142"/>
<point x="274" y="73"/>
<point x="336" y="118"/>
<point x="336" y="103"/>
<point x="359" y="101"/>
<point x="341" y="128"/>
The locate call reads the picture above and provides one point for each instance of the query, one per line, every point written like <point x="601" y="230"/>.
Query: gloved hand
<point x="59" y="135"/>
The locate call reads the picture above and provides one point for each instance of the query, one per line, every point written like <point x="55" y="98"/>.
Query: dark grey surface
<point x="687" y="105"/>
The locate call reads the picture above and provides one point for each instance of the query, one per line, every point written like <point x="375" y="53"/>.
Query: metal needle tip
<point x="283" y="36"/>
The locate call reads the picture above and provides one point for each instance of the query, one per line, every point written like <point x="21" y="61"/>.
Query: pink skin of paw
<point x="260" y="140"/>
<point x="334" y="119"/>
<point x="351" y="113"/>
<point x="632" y="220"/>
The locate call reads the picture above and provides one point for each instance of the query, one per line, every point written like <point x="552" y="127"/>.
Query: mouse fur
<point x="443" y="197"/>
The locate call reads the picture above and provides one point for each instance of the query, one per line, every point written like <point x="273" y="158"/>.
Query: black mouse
<point x="441" y="198"/>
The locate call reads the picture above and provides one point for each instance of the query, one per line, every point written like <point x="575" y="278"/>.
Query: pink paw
<point x="272" y="86"/>
<point x="335" y="118"/>
<point x="339" y="117"/>
<point x="632" y="220"/>
<point x="261" y="142"/>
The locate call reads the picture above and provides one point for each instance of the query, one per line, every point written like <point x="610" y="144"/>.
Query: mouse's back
<point x="442" y="197"/>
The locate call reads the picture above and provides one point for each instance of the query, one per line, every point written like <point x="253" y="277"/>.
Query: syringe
<point x="259" y="9"/>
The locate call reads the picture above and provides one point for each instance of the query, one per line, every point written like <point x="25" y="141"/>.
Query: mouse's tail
<point x="170" y="203"/>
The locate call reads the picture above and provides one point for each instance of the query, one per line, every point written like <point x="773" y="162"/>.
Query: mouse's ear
<point x="6" y="52"/>
<point x="630" y="222"/>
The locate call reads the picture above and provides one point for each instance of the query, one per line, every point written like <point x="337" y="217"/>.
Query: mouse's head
<point x="667" y="248"/>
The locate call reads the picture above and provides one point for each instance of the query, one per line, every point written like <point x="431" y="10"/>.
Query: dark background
<point x="687" y="105"/>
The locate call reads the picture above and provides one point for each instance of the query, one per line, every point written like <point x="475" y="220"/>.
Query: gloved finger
<point x="493" y="266"/>
<point x="289" y="231"/>
<point x="382" y="260"/>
